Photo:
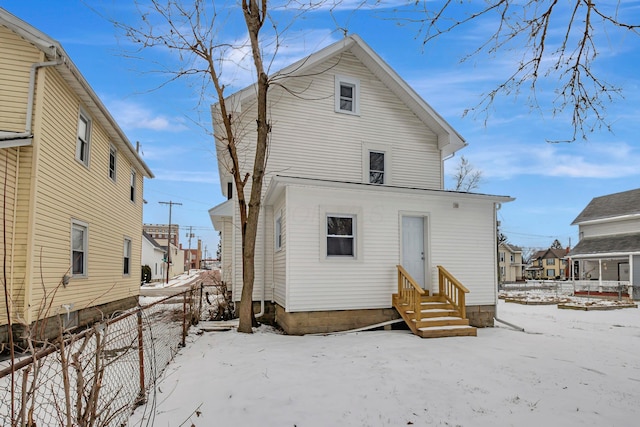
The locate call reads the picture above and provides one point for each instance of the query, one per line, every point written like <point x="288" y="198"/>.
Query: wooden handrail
<point x="410" y="280"/>
<point x="410" y="292"/>
<point x="454" y="291"/>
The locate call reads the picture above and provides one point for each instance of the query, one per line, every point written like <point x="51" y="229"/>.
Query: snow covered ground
<point x="569" y="368"/>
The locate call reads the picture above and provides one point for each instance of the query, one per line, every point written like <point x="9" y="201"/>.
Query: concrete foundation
<point x="49" y="328"/>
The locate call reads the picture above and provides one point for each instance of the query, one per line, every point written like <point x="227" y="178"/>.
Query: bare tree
<point x="530" y="28"/>
<point x="467" y="177"/>
<point x="191" y="29"/>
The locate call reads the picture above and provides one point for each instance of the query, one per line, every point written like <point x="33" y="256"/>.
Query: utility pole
<point x="170" y="203"/>
<point x="190" y="235"/>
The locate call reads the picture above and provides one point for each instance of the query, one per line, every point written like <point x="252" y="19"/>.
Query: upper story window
<point x="347" y="95"/>
<point x="79" y="246"/>
<point x="501" y="256"/>
<point x="376" y="162"/>
<point x="84" y="134"/>
<point x="132" y="194"/>
<point x="513" y="258"/>
<point x="551" y="261"/>
<point x="376" y="167"/>
<point x="113" y="156"/>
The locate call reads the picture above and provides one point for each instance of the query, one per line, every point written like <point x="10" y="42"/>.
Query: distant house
<point x="68" y="169"/>
<point x="510" y="267"/>
<point x="548" y="264"/>
<point x="153" y="255"/>
<point x="193" y="256"/>
<point x="609" y="247"/>
<point x="354" y="187"/>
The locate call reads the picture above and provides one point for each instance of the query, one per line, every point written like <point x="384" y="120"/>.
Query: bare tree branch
<point x="529" y="27"/>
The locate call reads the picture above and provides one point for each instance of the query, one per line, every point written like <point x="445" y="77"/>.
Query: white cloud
<point x="131" y="115"/>
<point x="578" y="160"/>
<point x="202" y="177"/>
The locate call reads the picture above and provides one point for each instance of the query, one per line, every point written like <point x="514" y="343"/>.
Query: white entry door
<point x="413" y="247"/>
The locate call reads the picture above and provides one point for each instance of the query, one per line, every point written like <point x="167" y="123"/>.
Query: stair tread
<point x="431" y="328"/>
<point x="427" y="319"/>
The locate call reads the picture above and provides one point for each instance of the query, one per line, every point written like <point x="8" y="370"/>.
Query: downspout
<point x="27" y="310"/>
<point x="450" y="156"/>
<point x="497" y="207"/>
<point x="31" y="95"/>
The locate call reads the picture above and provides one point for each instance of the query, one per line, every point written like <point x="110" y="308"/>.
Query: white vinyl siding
<point x="467" y="249"/>
<point x="308" y="139"/>
<point x="280" y="257"/>
<point x="610" y="228"/>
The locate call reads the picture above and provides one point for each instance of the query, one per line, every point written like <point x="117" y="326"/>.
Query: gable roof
<point x="549" y="253"/>
<point x="511" y="248"/>
<point x="151" y="240"/>
<point x="53" y="51"/>
<point x="449" y="140"/>
<point x="611" y="206"/>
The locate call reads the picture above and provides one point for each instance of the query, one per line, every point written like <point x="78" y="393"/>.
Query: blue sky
<point x="552" y="182"/>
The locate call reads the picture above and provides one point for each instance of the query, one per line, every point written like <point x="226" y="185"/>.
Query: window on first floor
<point x="79" y="245"/>
<point x="126" y="270"/>
<point x="551" y="272"/>
<point x="341" y="235"/>
<point x="278" y="232"/>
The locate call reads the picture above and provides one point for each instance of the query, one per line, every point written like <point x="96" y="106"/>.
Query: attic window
<point x="347" y="95"/>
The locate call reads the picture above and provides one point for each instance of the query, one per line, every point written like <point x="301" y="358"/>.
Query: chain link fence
<point x="98" y="376"/>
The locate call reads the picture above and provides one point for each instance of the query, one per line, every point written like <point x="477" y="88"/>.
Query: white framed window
<point x="501" y="256"/>
<point x="126" y="263"/>
<point x="376" y="163"/>
<point x="132" y="186"/>
<point x="347" y="95"/>
<point x="113" y="157"/>
<point x="341" y="235"/>
<point x="551" y="272"/>
<point x="278" y="232"/>
<point x="513" y="258"/>
<point x="79" y="248"/>
<point x="550" y="261"/>
<point x="502" y="271"/>
<point x="83" y="139"/>
<point x="376" y="167"/>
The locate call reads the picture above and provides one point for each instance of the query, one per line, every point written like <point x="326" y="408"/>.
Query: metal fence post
<point x="141" y="396"/>
<point x="184" y="319"/>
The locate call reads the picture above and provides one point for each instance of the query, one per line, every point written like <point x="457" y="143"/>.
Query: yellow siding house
<point x="70" y="189"/>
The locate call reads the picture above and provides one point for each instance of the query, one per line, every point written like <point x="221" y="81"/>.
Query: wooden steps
<point x="438" y="318"/>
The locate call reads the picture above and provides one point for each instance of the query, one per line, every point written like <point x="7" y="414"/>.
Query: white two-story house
<point x="354" y="188"/>
<point x="607" y="257"/>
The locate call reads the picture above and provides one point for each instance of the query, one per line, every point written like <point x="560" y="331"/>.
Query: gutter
<point x="28" y="133"/>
